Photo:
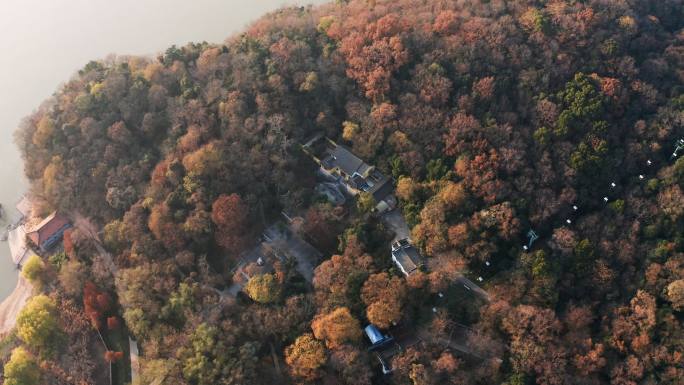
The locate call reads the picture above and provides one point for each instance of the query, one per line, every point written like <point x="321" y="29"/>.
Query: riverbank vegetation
<point x="493" y="117"/>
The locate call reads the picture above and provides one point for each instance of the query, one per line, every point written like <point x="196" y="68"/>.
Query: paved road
<point x="304" y="253"/>
<point x="395" y="221"/>
<point x="292" y="245"/>
<point x="284" y="243"/>
<point x="457" y="337"/>
<point x="247" y="258"/>
<point x="88" y="228"/>
<point x="234" y="288"/>
<point x="472" y="287"/>
<point x="134" y="353"/>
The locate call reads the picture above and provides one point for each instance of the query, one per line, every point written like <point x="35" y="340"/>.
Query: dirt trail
<point x="88" y="228"/>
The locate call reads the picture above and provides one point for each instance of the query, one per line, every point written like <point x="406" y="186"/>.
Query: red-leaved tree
<point x="96" y="304"/>
<point x="230" y="215"/>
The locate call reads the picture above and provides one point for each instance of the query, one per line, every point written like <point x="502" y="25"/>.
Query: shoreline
<point x="12" y="305"/>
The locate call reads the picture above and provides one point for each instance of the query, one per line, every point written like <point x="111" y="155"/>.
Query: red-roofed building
<point x="49" y="232"/>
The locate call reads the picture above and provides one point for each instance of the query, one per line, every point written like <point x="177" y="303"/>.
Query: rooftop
<point x="359" y="183"/>
<point x="47" y="228"/>
<point x="340" y="157"/>
<point x="356" y="173"/>
<point x="377" y="339"/>
<point x="408" y="258"/>
<point x="382" y="188"/>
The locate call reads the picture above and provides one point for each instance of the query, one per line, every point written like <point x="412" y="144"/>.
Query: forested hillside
<point x="493" y="118"/>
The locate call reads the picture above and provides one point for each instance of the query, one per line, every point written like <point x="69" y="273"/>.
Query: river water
<point x="43" y="43"/>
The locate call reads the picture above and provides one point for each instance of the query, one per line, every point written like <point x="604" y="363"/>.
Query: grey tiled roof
<point x="348" y="162"/>
<point x="382" y="188"/>
<point x="408" y="257"/>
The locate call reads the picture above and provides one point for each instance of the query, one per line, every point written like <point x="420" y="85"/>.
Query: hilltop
<point x="525" y="146"/>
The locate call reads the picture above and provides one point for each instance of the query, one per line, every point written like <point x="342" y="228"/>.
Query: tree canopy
<point x="22" y="369"/>
<point x="38" y="324"/>
<point x="530" y="144"/>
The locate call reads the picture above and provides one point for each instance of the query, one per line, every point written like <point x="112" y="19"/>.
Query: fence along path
<point x="608" y="196"/>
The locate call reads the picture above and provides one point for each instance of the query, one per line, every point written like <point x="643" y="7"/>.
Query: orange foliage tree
<point x="96" y="304"/>
<point x="231" y="217"/>
<point x="336" y="328"/>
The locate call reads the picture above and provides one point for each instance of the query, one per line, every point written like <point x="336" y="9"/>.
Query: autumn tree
<point x="534" y="346"/>
<point x="384" y="314"/>
<point x="305" y="357"/>
<point x="113" y="323"/>
<point x="44" y="131"/>
<point x="22" y="368"/>
<point x="446" y="22"/>
<point x="113" y="356"/>
<point x="336" y="327"/>
<point x="374" y="54"/>
<point x="38" y="324"/>
<point x="68" y="242"/>
<point x="338" y="280"/>
<point x="365" y="203"/>
<point x="231" y="217"/>
<point x="96" y="303"/>
<point x="453" y="195"/>
<point x="72" y="277"/>
<point x="631" y="335"/>
<point x="207" y="359"/>
<point x="320" y="226"/>
<point x="432" y="229"/>
<point x="161" y="224"/>
<point x="263" y="288"/>
<point x="462" y="130"/>
<point x="352" y="364"/>
<point x="675" y="293"/>
<point x="35" y="271"/>
<point x="407" y="189"/>
<point x="493" y="117"/>
<point x="384" y="297"/>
